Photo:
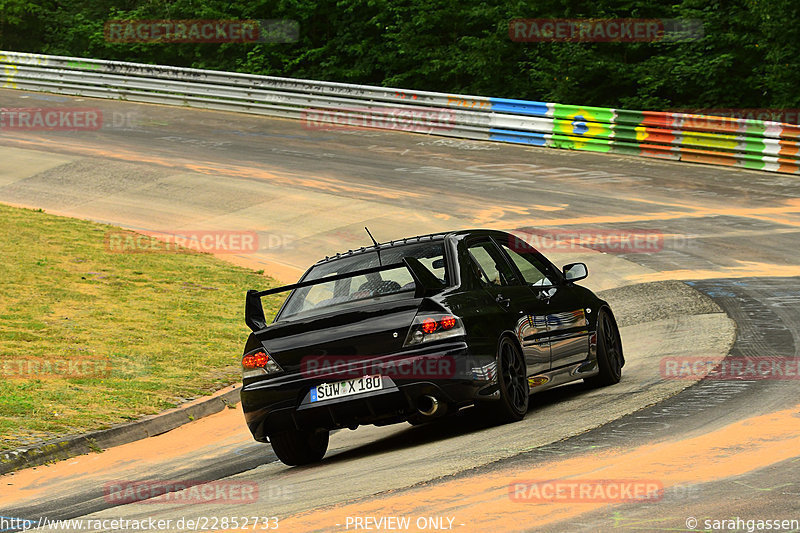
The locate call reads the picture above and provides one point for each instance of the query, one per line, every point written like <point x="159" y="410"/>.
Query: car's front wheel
<point x="513" y="385"/>
<point x="295" y="447"/>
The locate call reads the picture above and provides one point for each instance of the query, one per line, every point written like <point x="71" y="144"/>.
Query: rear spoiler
<point x="424" y="280"/>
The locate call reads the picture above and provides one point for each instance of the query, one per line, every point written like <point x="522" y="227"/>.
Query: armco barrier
<point x="752" y="144"/>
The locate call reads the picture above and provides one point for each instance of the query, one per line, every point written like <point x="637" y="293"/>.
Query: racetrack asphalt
<point x="720" y="448"/>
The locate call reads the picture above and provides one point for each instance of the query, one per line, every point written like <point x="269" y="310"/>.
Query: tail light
<point x="433" y="327"/>
<point x="258" y="363"/>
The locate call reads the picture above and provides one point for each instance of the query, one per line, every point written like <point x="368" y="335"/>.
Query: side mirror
<point x="575" y="271"/>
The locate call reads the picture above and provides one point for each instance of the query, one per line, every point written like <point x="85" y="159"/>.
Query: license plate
<point x="348" y="387"/>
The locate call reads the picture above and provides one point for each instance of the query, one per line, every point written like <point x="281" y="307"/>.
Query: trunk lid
<point x="371" y="330"/>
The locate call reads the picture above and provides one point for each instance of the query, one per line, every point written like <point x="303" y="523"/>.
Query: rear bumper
<point x="458" y="378"/>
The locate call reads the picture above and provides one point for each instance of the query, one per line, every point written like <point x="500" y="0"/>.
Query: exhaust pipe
<point x="428" y="405"/>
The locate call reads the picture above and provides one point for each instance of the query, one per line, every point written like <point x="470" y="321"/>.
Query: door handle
<point x="505" y="302"/>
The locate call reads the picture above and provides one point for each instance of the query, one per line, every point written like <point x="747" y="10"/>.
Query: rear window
<point x="357" y="290"/>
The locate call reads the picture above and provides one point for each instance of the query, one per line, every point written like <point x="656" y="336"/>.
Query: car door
<point x="513" y="296"/>
<point x="565" y="317"/>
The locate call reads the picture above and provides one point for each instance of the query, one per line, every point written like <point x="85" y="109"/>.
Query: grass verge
<point x="90" y="338"/>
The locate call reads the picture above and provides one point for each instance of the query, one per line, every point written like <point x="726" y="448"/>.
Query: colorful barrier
<point x="751" y="144"/>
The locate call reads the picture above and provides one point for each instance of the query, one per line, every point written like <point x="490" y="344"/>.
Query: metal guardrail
<point x="753" y="144"/>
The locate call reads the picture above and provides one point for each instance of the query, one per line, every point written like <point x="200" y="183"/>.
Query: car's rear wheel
<point x="296" y="448"/>
<point x="609" y="352"/>
<point x="513" y="385"/>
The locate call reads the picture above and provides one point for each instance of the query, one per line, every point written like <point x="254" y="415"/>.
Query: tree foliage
<point x="747" y="58"/>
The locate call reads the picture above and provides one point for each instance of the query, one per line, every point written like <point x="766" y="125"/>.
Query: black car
<point x="412" y="329"/>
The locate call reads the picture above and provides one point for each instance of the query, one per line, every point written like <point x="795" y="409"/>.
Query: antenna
<point x="377" y="248"/>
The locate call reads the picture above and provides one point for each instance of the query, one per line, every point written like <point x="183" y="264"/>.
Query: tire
<point x="610" y="358"/>
<point x="514" y="393"/>
<point x="295" y="448"/>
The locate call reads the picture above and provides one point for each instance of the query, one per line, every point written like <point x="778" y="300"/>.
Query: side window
<point x="530" y="266"/>
<point x="490" y="267"/>
<point x="436" y="266"/>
